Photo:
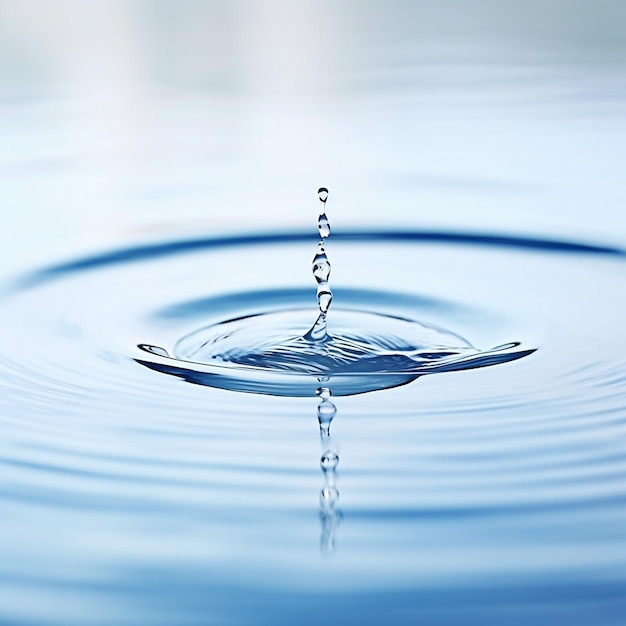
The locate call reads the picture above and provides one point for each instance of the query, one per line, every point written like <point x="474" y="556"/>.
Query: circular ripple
<point x="506" y="473"/>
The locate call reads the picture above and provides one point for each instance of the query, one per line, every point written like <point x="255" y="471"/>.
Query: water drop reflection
<point x="330" y="514"/>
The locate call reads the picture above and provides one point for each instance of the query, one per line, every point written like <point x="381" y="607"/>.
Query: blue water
<point x="256" y="348"/>
<point x="159" y="165"/>
<point x="476" y="496"/>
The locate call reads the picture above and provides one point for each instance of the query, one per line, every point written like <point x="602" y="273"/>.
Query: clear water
<point x="160" y="190"/>
<point x="463" y="493"/>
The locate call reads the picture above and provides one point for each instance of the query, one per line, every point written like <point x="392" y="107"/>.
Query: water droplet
<point x="329" y="461"/>
<point x="321" y="266"/>
<point x="323" y="392"/>
<point x="322" y="194"/>
<point x="323" y="225"/>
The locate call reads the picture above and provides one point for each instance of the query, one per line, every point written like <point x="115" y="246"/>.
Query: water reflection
<point x="330" y="514"/>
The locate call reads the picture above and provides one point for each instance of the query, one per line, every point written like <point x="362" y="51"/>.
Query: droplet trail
<point x="321" y="272"/>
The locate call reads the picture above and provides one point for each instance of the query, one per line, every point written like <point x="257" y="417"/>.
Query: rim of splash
<point x="254" y="379"/>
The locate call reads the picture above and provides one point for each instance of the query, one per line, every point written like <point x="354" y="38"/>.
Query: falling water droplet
<point x="321" y="265"/>
<point x="323" y="226"/>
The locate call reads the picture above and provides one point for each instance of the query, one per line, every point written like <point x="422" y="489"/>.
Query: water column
<point x="321" y="272"/>
<point x="326" y="410"/>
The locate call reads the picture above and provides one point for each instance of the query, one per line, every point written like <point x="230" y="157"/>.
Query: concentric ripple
<point x="502" y="481"/>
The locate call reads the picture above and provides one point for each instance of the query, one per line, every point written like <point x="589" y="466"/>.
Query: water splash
<point x="267" y="352"/>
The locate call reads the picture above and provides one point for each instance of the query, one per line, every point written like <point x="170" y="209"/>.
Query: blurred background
<point x="127" y="120"/>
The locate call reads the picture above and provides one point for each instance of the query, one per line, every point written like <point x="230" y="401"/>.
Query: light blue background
<point x="130" y="120"/>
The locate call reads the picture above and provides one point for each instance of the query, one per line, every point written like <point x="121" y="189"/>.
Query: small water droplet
<point x="322" y="194"/>
<point x="329" y="461"/>
<point x="323" y="225"/>
<point x="321" y="266"/>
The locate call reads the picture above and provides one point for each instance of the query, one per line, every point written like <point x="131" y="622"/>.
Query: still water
<point x="175" y="446"/>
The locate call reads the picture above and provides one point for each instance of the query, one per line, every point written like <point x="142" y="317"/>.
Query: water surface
<point x="158" y="167"/>
<point x="156" y="498"/>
